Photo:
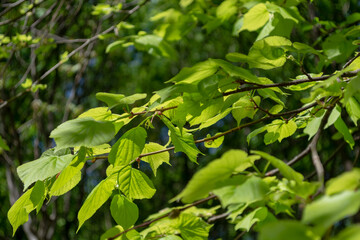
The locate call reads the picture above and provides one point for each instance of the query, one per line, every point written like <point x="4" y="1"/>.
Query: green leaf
<point x="276" y="109"/>
<point x="327" y="210"/>
<point x="206" y="179"/>
<point x="135" y="184"/>
<point x="255" y="133"/>
<point x="215" y="119"/>
<point x="171" y="237"/>
<point x="214" y="143"/>
<point x="98" y="196"/>
<point x="353" y="109"/>
<point x="30" y="200"/>
<point x="183" y="142"/>
<point x="83" y="132"/>
<point x="313" y="126"/>
<point x="267" y="53"/>
<point x="344" y="130"/>
<point x="251" y="190"/>
<point x="282" y="11"/>
<point x="128" y="147"/>
<point x="196" y="73"/>
<point x="70" y="176"/>
<point x="113" y="100"/>
<point x="112" y="45"/>
<point x="124" y="211"/>
<point x="255" y="18"/>
<point x="192" y="227"/>
<point x="208" y="111"/>
<point x="349" y="233"/>
<point x="157" y="159"/>
<point x="131" y="235"/>
<point x="3" y="145"/>
<point x="27" y="84"/>
<point x="245" y="107"/>
<point x="346" y="181"/>
<point x="285" y="230"/>
<point x="352" y="87"/>
<point x="338" y="48"/>
<point x="49" y="164"/>
<point x="249" y="220"/>
<point x="283" y="128"/>
<point x="269" y="93"/>
<point x="284" y="169"/>
<point x="226" y="10"/>
<point x="155" y="45"/>
<point x="235" y="71"/>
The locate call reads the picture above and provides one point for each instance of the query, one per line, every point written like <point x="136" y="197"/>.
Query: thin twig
<point x="286" y="84"/>
<point x="177" y="211"/>
<point x="10" y="6"/>
<point x="311" y="145"/>
<point x="20" y="16"/>
<point x="351" y="60"/>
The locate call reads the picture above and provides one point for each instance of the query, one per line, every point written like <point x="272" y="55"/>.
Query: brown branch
<point x="216" y="136"/>
<point x="173" y="212"/>
<point x="72" y="53"/>
<point x="351" y="60"/>
<point x="10" y="6"/>
<point x="311" y="145"/>
<point x="286" y="84"/>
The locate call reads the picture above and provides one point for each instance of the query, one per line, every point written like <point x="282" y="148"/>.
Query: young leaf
<point x="245" y="192"/>
<point x="192" y="227"/>
<point x="214" y="143"/>
<point x="83" y="132"/>
<point x="284" y="129"/>
<point x="218" y="170"/>
<point x="128" y="147"/>
<point x="328" y="210"/>
<point x="3" y="145"/>
<point x="49" y="164"/>
<point x="353" y="109"/>
<point x="286" y="229"/>
<point x="70" y="176"/>
<point x="344" y="130"/>
<point x="157" y="159"/>
<point x="31" y="199"/>
<point x="255" y="18"/>
<point x="346" y="181"/>
<point x="196" y="73"/>
<point x="245" y="107"/>
<point x="183" y="142"/>
<point x="135" y="184"/>
<point x="249" y="220"/>
<point x="98" y="196"/>
<point x="124" y="212"/>
<point x="113" y="100"/>
<point x="349" y="233"/>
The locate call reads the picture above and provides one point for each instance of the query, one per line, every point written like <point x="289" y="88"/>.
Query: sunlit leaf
<point x="83" y="132"/>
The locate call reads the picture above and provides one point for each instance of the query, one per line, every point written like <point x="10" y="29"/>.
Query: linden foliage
<point x="197" y="98"/>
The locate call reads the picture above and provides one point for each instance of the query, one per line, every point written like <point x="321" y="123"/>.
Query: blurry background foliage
<point x="137" y="56"/>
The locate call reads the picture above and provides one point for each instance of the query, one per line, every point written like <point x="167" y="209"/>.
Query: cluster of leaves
<point x="198" y="98"/>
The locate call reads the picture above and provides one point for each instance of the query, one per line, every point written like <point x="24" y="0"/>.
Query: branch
<point x="351" y="60"/>
<point x="87" y="42"/>
<point x="312" y="145"/>
<point x="216" y="136"/>
<point x="286" y="84"/>
<point x="10" y="6"/>
<point x="20" y="16"/>
<point x="175" y="212"/>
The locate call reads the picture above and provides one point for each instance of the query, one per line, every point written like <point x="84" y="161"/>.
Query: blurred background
<point x="36" y="35"/>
